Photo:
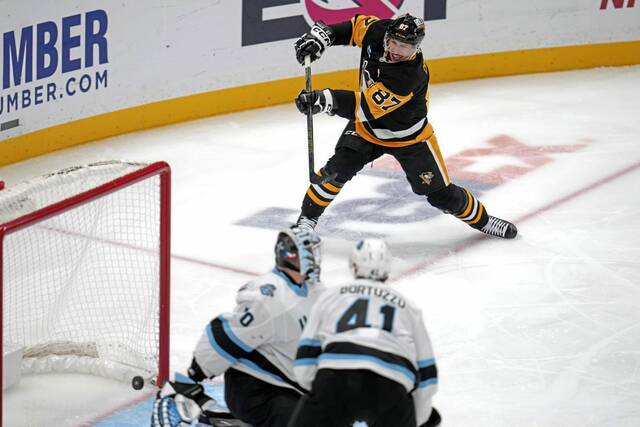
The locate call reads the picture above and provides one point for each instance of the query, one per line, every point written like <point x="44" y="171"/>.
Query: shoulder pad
<point x="265" y="286"/>
<point x="360" y="24"/>
<point x="404" y="80"/>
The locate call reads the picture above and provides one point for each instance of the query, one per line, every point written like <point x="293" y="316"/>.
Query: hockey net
<point x="84" y="270"/>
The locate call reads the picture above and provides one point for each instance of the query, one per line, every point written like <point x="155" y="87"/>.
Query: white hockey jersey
<point x="260" y="336"/>
<point x="368" y="325"/>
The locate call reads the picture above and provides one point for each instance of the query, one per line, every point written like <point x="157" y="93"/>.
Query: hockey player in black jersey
<point x="388" y="115"/>
<point x="254" y="346"/>
<point x="365" y="354"/>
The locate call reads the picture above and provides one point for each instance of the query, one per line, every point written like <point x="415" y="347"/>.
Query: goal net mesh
<point x="81" y="287"/>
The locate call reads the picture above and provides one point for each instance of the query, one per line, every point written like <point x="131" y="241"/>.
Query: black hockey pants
<point x="256" y="402"/>
<point x="422" y="164"/>
<point x="340" y="397"/>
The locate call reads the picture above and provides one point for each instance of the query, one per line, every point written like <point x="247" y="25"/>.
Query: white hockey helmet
<point x="370" y="259"/>
<point x="299" y="249"/>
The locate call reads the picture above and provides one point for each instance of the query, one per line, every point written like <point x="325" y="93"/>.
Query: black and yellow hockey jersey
<point x="390" y="107"/>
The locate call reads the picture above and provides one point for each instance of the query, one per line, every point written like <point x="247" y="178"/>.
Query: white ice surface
<point x="536" y="332"/>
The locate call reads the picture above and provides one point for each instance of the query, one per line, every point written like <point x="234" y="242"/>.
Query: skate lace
<point x="496" y="227"/>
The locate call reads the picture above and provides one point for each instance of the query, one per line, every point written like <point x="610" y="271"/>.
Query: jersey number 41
<point x="356" y="317"/>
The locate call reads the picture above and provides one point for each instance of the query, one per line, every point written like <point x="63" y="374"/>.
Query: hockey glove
<point x="179" y="403"/>
<point x="314" y="43"/>
<point x="167" y="414"/>
<point x="318" y="101"/>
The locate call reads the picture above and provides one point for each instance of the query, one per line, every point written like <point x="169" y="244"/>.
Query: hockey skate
<point x="499" y="228"/>
<point x="306" y="223"/>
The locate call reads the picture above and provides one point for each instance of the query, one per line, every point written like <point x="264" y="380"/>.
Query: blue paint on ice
<point x="139" y="414"/>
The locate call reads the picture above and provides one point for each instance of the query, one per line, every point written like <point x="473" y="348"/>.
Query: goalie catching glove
<point x="314" y="43"/>
<point x="320" y="101"/>
<point x="179" y="403"/>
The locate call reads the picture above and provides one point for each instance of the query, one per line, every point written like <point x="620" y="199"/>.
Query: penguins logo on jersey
<point x="268" y="290"/>
<point x="426" y="177"/>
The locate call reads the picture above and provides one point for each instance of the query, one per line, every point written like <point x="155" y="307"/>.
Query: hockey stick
<point x="220" y="419"/>
<point x="313" y="177"/>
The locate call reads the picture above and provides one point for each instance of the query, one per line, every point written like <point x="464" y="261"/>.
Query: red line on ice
<point x="481" y="237"/>
<point x="118" y="408"/>
<point x="214" y="265"/>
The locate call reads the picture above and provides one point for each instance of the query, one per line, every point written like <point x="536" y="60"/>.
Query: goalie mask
<point x="299" y="250"/>
<point x="370" y="259"/>
<point x="403" y="37"/>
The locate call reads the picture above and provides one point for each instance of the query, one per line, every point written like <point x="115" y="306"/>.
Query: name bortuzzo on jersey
<point x="367" y="325"/>
<point x="375" y="291"/>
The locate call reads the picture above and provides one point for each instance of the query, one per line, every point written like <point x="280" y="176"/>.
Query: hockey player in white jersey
<point x="255" y="345"/>
<point x="365" y="354"/>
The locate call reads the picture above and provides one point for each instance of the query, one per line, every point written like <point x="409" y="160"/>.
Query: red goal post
<point x="85" y="270"/>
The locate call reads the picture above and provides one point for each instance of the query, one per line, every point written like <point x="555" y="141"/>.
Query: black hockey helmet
<point x="407" y="29"/>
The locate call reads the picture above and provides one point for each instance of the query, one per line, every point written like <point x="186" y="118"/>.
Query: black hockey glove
<point x="314" y="42"/>
<point x="320" y="101"/>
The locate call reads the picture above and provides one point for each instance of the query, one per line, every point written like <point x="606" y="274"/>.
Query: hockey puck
<point x="137" y="382"/>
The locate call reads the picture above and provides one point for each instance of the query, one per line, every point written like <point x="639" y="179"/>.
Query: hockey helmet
<point x="370" y="259"/>
<point x="298" y="249"/>
<point x="406" y="29"/>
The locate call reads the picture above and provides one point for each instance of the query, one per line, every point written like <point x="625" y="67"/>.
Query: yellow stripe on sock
<point x="315" y="198"/>
<point x="467" y="210"/>
<point x="331" y="187"/>
<point x="477" y="218"/>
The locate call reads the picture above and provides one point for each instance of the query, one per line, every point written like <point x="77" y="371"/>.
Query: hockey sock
<point x="318" y="197"/>
<point x="473" y="213"/>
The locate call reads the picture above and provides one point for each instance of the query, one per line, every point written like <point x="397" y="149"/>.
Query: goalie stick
<point x="313" y="177"/>
<point x="219" y="419"/>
